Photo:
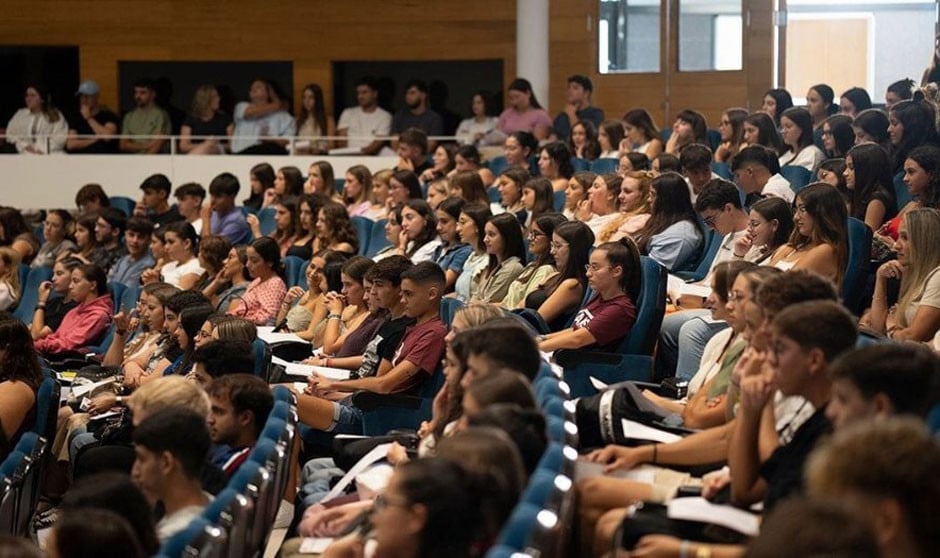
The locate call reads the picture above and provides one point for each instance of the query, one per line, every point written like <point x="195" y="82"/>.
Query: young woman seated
<point x="503" y="240"/>
<point x="673" y="235"/>
<point x="601" y="207"/>
<point x="452" y="253"/>
<point x="614" y="273"/>
<point x="819" y="241"/>
<point x="10" y="289"/>
<point x="54" y="299"/>
<point x="870" y="186"/>
<point x="229" y="284"/>
<point x="470" y="229"/>
<point x="558" y="297"/>
<point x="265" y="293"/>
<point x="307" y="317"/>
<point x="916" y="317"/>
<point x="335" y="230"/>
<point x="348" y="309"/>
<point x="634" y="200"/>
<point x="577" y="192"/>
<point x="57" y="231"/>
<point x="20" y="376"/>
<point x="182" y="269"/>
<point x="127" y="346"/>
<point x="540" y="267"/>
<point x="286" y="223"/>
<point x="89" y="320"/>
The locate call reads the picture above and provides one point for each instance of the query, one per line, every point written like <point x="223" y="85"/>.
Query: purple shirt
<point x="232" y="226"/>
<point x="512" y="120"/>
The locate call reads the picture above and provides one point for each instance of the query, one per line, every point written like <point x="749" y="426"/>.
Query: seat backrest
<point x="47" y="408"/>
<point x="266" y="220"/>
<point x="494" y="195"/>
<point x="579" y="164"/>
<point x="520" y="526"/>
<point x="559" y="202"/>
<point x="129" y="298"/>
<point x="262" y="354"/>
<point x="117" y="291"/>
<point x="714" y="138"/>
<point x="798" y="177"/>
<point x="604" y="166"/>
<point x="23" y="271"/>
<point x="855" y="278"/>
<point x="497" y="164"/>
<point x="539" y="488"/>
<point x="175" y="546"/>
<point x="712" y="244"/>
<point x="123" y="203"/>
<point x="901" y="193"/>
<point x="363" y="226"/>
<point x="650" y="308"/>
<point x="30" y="293"/>
<point x="723" y="170"/>
<point x="293" y="268"/>
<point x="449" y="307"/>
<point x="377" y="239"/>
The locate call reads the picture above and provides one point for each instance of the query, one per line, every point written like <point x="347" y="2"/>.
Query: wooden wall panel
<point x="574" y="50"/>
<point x="310" y="33"/>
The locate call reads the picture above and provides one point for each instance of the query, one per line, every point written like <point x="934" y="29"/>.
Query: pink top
<point x="359" y="210"/>
<point x="261" y="301"/>
<point x="512" y="120"/>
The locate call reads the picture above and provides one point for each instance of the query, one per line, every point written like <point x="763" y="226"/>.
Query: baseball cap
<point x="88" y="88"/>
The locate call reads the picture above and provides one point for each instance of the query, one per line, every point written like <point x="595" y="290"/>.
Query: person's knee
<point x="607" y="527"/>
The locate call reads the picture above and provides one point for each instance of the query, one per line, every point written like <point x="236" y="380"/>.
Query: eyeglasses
<point x="592" y="268"/>
<point x="51" y="225"/>
<point x="710" y="220"/>
<point x="535" y="234"/>
<point x="826" y="133"/>
<point x="754" y="224"/>
<point x="381" y="502"/>
<point x="558" y="245"/>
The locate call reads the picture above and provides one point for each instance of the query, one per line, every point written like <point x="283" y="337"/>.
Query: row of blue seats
<point x="238" y="522"/>
<point x="23" y="469"/>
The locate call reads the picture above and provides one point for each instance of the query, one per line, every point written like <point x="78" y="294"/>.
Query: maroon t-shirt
<point x="609" y="321"/>
<point x="423" y="346"/>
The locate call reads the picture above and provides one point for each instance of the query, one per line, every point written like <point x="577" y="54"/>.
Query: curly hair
<point x="338" y="225"/>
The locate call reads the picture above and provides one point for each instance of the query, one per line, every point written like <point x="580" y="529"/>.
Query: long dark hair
<point x="840" y="126"/>
<point x="828" y="96"/>
<point x="927" y="157"/>
<point x="859" y="97"/>
<point x="522" y="85"/>
<point x="410" y="181"/>
<point x="614" y="131"/>
<point x="544" y="196"/>
<point x="830" y="218"/>
<point x="783" y="99"/>
<point x="580" y="239"/>
<point x="547" y="223"/>
<point x="429" y="231"/>
<point x="270" y="252"/>
<point x="293" y="181"/>
<point x="191" y="320"/>
<point x="20" y="360"/>
<point x="767" y="134"/>
<point x="802" y="120"/>
<point x="558" y="152"/>
<point x="479" y="213"/>
<point x="184" y="231"/>
<point x="917" y="117"/>
<point x="14" y="225"/>
<point x="95" y="274"/>
<point x="872" y="176"/>
<point x="699" y="126"/>
<point x="641" y="120"/>
<point x="776" y="209"/>
<point x="511" y="234"/>
<point x="591" y="148"/>
<point x="319" y="110"/>
<point x="263" y="173"/>
<point x="874" y="122"/>
<point x="673" y="204"/>
<point x="293" y="228"/>
<point x="625" y="254"/>
<point x="339" y="224"/>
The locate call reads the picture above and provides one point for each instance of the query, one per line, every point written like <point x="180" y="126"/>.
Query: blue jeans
<point x="682" y="341"/>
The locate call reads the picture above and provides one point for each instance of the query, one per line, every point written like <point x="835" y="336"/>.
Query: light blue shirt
<point x="128" y="271"/>
<point x="677" y="247"/>
<point x="279" y="124"/>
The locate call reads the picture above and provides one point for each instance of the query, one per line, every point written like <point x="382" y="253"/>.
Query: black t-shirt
<point x="56" y="309"/>
<point x="214" y="127"/>
<point x="82" y="127"/>
<point x="171" y="216"/>
<point x="392" y="333"/>
<point x="783" y="470"/>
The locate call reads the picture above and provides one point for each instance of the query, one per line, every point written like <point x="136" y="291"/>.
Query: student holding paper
<point x="416" y="358"/>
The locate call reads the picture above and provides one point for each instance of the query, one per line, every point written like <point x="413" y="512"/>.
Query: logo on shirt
<point x="583" y="318"/>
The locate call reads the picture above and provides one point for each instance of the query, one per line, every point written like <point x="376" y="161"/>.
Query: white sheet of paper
<point x="696" y="289"/>
<point x="305" y="370"/>
<point x="315" y="545"/>
<point x="700" y="509"/>
<point x="105" y="415"/>
<point x="267" y="335"/>
<point x="378" y="453"/>
<point x="598" y="385"/>
<point x="637" y="431"/>
<point x="79" y="391"/>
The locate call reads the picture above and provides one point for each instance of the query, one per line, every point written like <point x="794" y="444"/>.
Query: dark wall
<point x="55" y="68"/>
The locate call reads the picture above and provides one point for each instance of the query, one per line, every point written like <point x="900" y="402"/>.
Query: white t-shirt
<point x="173" y="272"/>
<point x="778" y="187"/>
<point x="809" y="158"/>
<point x="176" y="522"/>
<point x="469" y="128"/>
<point x="357" y="122"/>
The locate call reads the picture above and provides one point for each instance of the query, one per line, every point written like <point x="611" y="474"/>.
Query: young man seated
<point x="220" y="216"/>
<point x="757" y="173"/>
<point x="222" y="357"/>
<point x="189" y="198"/>
<point x="385" y="277"/>
<point x="325" y="405"/>
<point x="128" y="269"/>
<point x="170" y="448"/>
<point x="108" y="230"/>
<point x="501" y="344"/>
<point x="696" y="162"/>
<point x="412" y="151"/>
<point x="155" y="202"/>
<point x="239" y="406"/>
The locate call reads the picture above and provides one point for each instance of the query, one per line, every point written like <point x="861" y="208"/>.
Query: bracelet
<point x="684" y="549"/>
<point x="334" y="317"/>
<point x="655" y="446"/>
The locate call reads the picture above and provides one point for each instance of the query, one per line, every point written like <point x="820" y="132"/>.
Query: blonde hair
<point x="11" y="258"/>
<point x="645" y="178"/>
<point x="202" y="100"/>
<point x="477" y="313"/>
<point x="923" y="228"/>
<point x="384" y="176"/>
<point x="164" y="393"/>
